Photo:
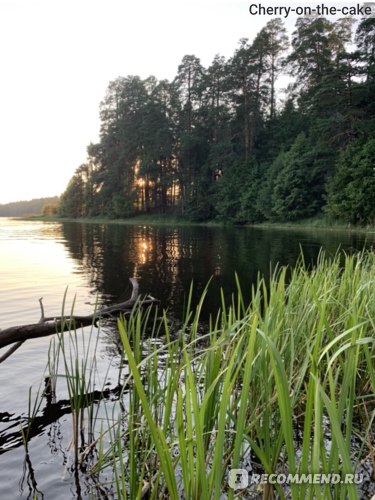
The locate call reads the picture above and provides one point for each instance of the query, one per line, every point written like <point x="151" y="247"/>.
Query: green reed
<point x="300" y="358"/>
<point x="270" y="383"/>
<point x="76" y="351"/>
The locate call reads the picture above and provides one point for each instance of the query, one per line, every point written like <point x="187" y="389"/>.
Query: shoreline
<point x="160" y="220"/>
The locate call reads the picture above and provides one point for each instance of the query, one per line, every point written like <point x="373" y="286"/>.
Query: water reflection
<point x="101" y="258"/>
<point x="28" y="480"/>
<point x="167" y="260"/>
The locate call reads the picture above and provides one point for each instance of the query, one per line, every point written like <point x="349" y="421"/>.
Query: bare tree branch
<point x="11" y="351"/>
<point x="50" y="325"/>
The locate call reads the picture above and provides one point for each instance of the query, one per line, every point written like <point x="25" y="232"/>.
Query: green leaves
<point x="298" y="359"/>
<point x="299" y="183"/>
<point x="216" y="143"/>
<point x="157" y="434"/>
<point x="351" y="192"/>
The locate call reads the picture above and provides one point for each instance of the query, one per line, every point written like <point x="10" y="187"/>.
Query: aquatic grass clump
<point x="282" y="386"/>
<point x="72" y="360"/>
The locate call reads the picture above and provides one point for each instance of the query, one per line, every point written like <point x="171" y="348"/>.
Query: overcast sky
<point x="58" y="56"/>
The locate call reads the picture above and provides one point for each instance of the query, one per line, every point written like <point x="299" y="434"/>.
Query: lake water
<point x="95" y="262"/>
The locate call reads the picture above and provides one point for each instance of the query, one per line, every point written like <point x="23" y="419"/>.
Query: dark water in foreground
<point x="95" y="261"/>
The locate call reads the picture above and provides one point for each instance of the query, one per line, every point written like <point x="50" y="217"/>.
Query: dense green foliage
<point x="285" y="385"/>
<point x="226" y="143"/>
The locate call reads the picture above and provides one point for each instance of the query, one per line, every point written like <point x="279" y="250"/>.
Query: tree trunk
<point x="48" y="326"/>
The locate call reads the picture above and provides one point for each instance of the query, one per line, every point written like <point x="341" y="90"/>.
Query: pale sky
<point x="57" y="58"/>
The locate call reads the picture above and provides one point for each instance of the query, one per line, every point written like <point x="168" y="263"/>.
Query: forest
<point x="36" y="206"/>
<point x="230" y="143"/>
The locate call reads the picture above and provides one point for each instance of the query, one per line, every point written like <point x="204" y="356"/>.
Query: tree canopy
<point x="228" y="143"/>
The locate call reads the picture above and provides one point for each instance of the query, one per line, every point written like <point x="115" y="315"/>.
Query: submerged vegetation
<point x="283" y="385"/>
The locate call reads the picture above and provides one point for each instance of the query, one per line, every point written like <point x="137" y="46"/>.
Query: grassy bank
<point x="149" y="220"/>
<point x="318" y="223"/>
<point x="285" y="385"/>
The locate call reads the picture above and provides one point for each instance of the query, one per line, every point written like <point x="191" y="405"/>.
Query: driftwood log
<point x="17" y="335"/>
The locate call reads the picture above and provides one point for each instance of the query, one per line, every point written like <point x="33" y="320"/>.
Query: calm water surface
<point x="95" y="262"/>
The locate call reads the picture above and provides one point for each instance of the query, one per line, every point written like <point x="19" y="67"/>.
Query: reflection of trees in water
<point x="85" y="244"/>
<point x="166" y="260"/>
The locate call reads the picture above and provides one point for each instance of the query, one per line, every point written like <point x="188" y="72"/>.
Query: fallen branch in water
<point x="46" y="326"/>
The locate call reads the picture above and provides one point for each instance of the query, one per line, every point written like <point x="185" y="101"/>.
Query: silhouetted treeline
<point x="47" y="206"/>
<point x="225" y="143"/>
